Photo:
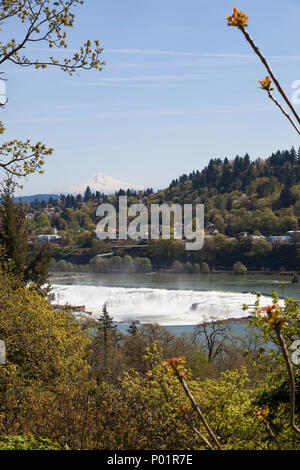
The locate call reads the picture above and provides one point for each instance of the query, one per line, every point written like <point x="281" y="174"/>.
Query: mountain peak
<point x="104" y="184"/>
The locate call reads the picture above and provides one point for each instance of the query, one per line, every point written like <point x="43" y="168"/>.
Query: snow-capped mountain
<point x="104" y="184"/>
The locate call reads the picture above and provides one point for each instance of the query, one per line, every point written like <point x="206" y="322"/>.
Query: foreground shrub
<point x="45" y="387"/>
<point x="26" y="443"/>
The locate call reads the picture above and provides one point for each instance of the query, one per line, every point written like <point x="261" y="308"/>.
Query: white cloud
<point x="145" y="113"/>
<point x="196" y="54"/>
<point x="140" y="85"/>
<point x="174" y="53"/>
<point x="220" y="55"/>
<point x="147" y="78"/>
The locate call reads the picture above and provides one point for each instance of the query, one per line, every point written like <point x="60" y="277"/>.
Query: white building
<point x="48" y="238"/>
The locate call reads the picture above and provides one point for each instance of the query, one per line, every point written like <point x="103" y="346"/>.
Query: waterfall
<point x="154" y="305"/>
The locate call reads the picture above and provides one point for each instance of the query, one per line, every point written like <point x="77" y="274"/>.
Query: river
<point x="172" y="300"/>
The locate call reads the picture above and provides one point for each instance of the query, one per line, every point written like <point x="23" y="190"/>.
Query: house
<point x="294" y="236"/>
<point x="242" y="235"/>
<point x="72" y="308"/>
<point x="48" y="238"/>
<point x="105" y="255"/>
<point x="278" y="239"/>
<point x="211" y="230"/>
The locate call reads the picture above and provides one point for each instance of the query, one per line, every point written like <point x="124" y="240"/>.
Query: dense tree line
<point x="227" y="176"/>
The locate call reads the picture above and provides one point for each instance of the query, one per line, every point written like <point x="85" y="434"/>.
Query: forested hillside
<point x="232" y="190"/>
<point x="245" y="202"/>
<point x="239" y="195"/>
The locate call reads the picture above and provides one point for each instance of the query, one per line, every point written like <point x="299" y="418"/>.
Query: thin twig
<point x="291" y="378"/>
<point x="271" y="432"/>
<point x="206" y="442"/>
<point x="197" y="409"/>
<point x="265" y="62"/>
<point x="283" y="111"/>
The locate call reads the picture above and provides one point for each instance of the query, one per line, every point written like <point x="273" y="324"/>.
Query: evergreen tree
<point x="286" y="198"/>
<point x="132" y="329"/>
<point x="87" y="194"/>
<point x="30" y="265"/>
<point x="107" y="335"/>
<point x="13" y="229"/>
<point x="38" y="267"/>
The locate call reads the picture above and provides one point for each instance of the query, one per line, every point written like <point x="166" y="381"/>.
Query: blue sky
<point x="179" y="88"/>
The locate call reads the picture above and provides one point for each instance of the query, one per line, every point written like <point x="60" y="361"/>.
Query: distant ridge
<point x="40" y="197"/>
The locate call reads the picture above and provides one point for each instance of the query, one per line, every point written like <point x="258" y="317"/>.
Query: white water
<point x="163" y="306"/>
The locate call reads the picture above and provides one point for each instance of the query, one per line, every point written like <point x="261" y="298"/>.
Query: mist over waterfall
<point x="154" y="305"/>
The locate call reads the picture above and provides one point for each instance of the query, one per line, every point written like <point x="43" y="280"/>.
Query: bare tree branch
<point x="198" y="433"/>
<point x="239" y="19"/>
<point x="176" y="366"/>
<point x="283" y="111"/>
<point x="40" y="21"/>
<point x="197" y="409"/>
<point x="46" y="21"/>
<point x="266" y="64"/>
<point x="289" y="367"/>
